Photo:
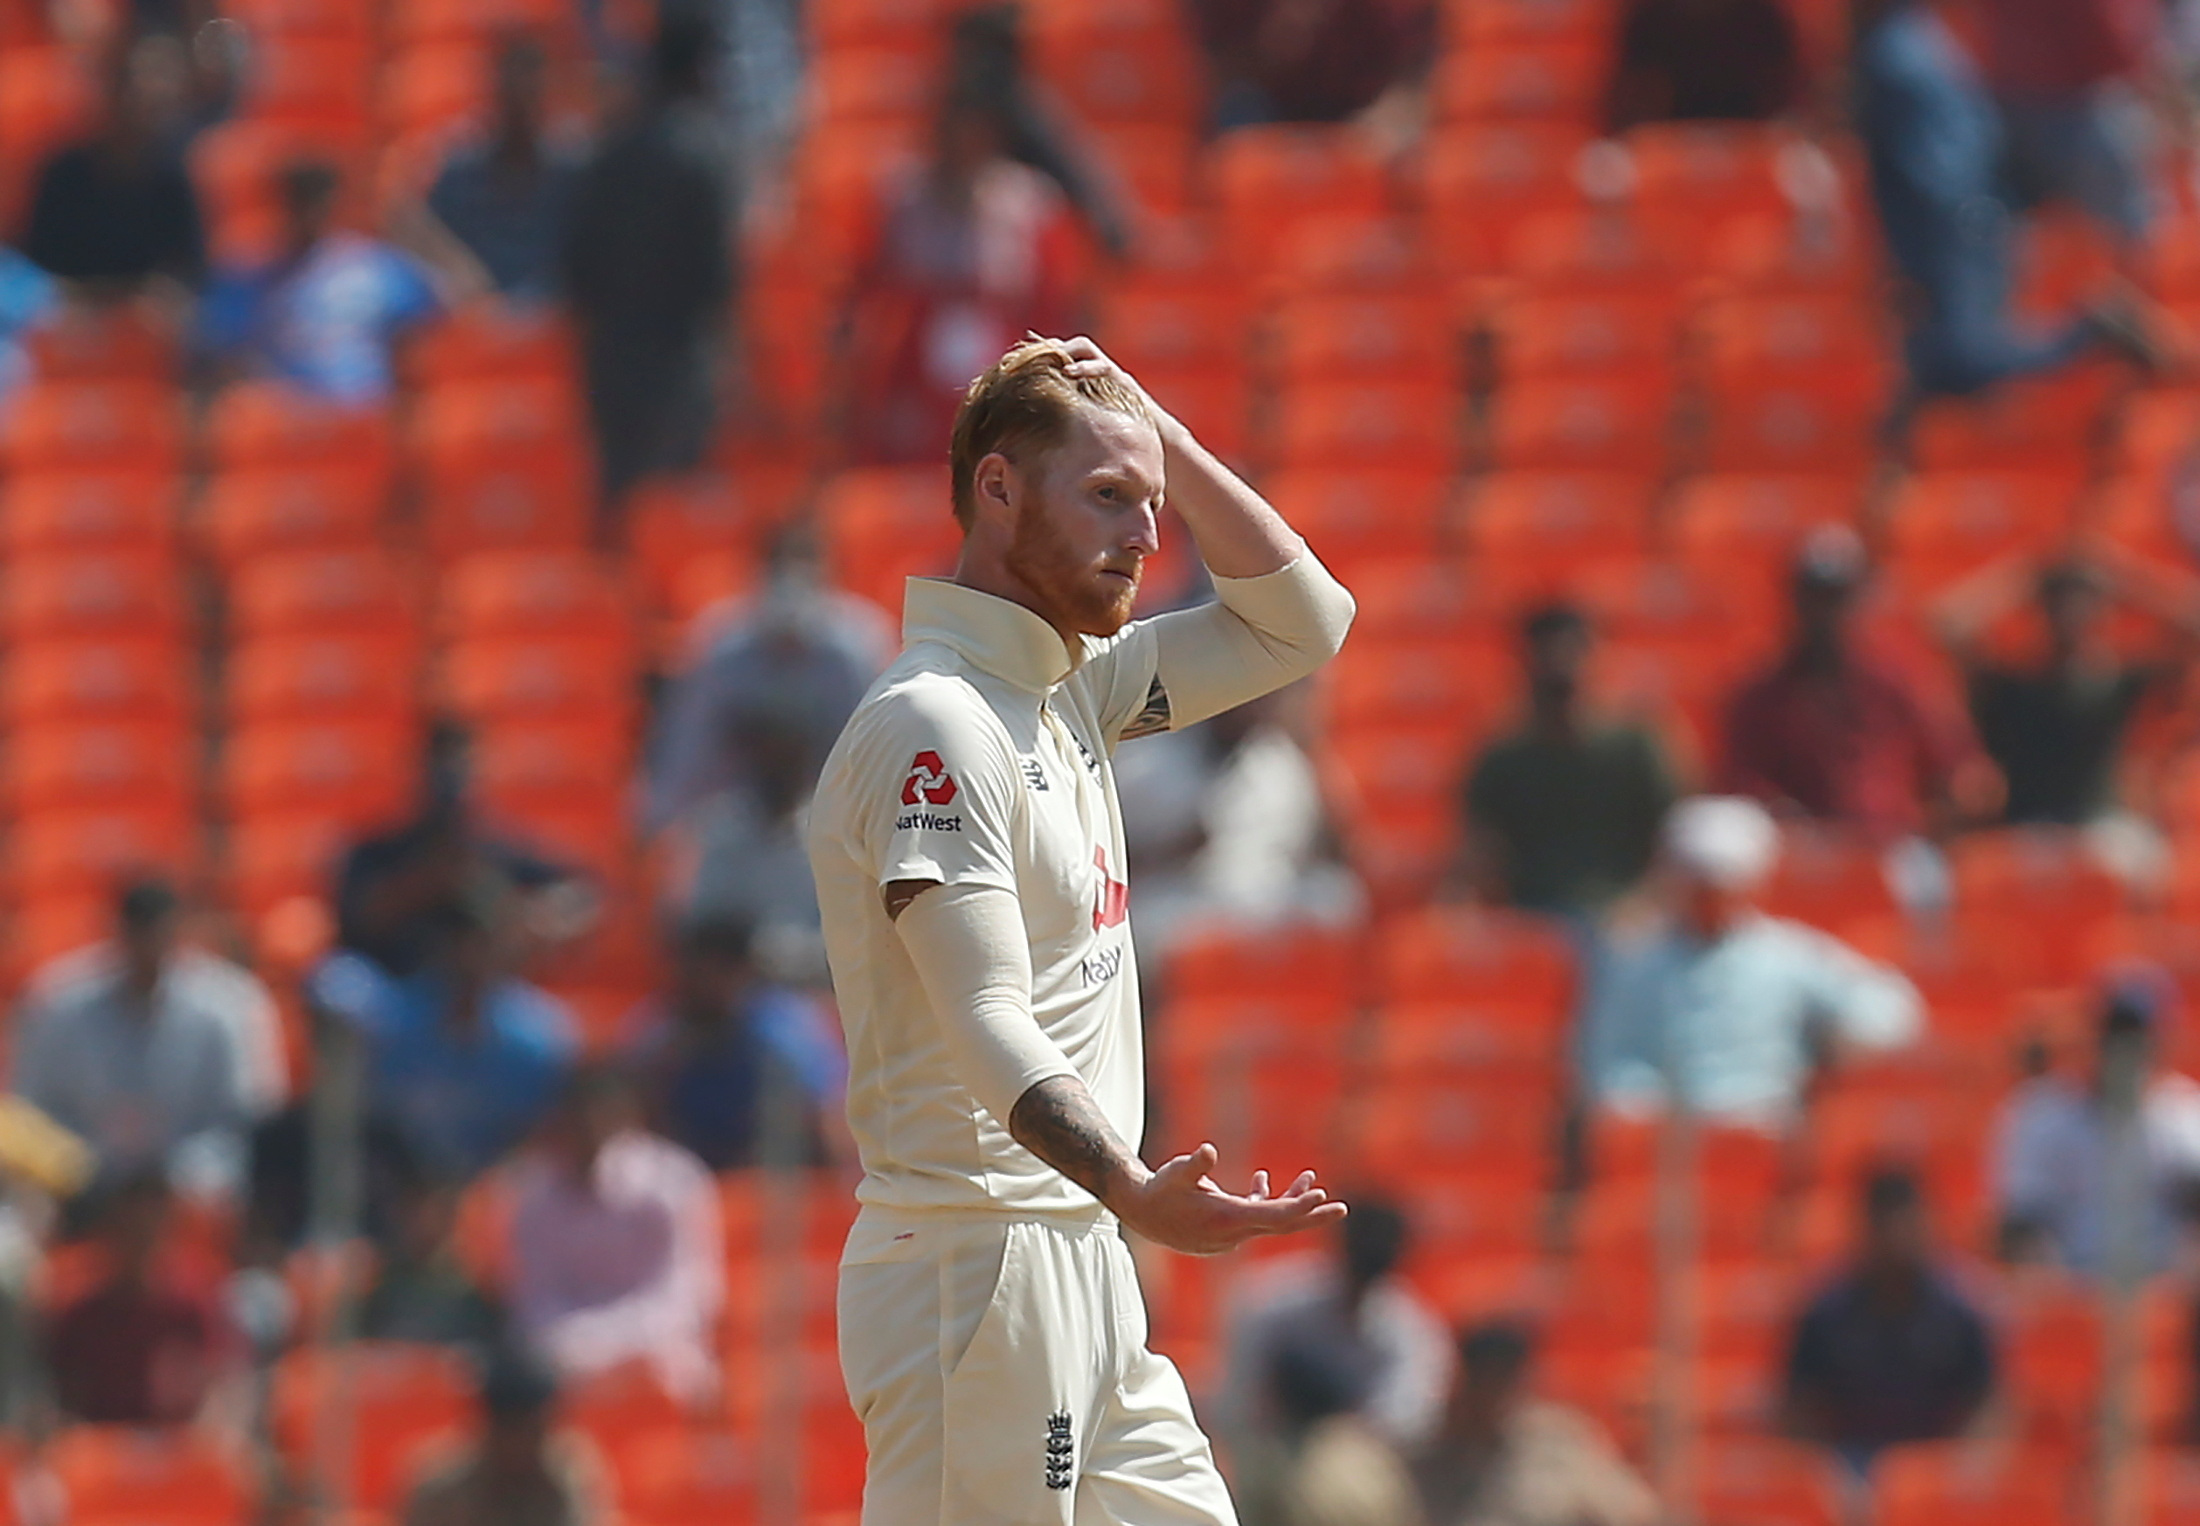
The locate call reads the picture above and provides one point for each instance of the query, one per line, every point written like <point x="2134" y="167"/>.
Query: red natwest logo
<point x="1113" y="903"/>
<point x="929" y="782"/>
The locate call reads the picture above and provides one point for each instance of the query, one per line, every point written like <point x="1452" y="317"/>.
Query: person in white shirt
<point x="2059" y="1156"/>
<point x="968" y="847"/>
<point x="160" y="1055"/>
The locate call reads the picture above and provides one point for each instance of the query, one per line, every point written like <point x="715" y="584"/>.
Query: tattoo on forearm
<point x="1153" y="718"/>
<point x="1058" y="1121"/>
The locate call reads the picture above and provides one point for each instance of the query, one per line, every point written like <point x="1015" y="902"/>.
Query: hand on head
<point x="1182" y="1207"/>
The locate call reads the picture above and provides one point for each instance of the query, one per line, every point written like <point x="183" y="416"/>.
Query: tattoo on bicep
<point x="1058" y="1121"/>
<point x="1153" y="718"/>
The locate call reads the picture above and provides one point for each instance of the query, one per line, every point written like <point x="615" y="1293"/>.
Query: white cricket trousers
<point x="1000" y="1369"/>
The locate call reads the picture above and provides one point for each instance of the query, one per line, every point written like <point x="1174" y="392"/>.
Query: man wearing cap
<point x="1717" y="1003"/>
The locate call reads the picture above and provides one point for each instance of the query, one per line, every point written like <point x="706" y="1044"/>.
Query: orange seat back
<point x="116" y="1474"/>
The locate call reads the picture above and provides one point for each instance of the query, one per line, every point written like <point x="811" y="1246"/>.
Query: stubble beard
<point x="1079" y="596"/>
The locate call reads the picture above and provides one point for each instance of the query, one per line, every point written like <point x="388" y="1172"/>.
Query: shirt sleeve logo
<point x="929" y="782"/>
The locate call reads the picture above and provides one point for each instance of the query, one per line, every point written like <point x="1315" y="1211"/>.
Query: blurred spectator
<point x="1833" y="732"/>
<point x="160" y="1056"/>
<point x="1731" y="1008"/>
<point x="284" y="1150"/>
<point x="798" y="656"/>
<point x="1704" y="61"/>
<point x="518" y="1473"/>
<point x="1354" y="1308"/>
<point x="1311" y="60"/>
<point x="735" y="1068"/>
<point x="462" y="1056"/>
<point x="501" y="198"/>
<point x="974" y="250"/>
<point x="986" y="60"/>
<point x="395" y="888"/>
<point x="27" y="296"/>
<point x="1228" y="824"/>
<point x="324" y="315"/>
<point x="118" y="209"/>
<point x="2065" y="75"/>
<point x="1891" y="1351"/>
<point x="2056" y="728"/>
<point x="138" y="1349"/>
<point x="1325" y="1466"/>
<point x="750" y="852"/>
<point x="422" y="1291"/>
<point x="1503" y="1458"/>
<point x="1563" y="814"/>
<point x="617" y="1253"/>
<point x="2063" y="1148"/>
<point x="1937" y="156"/>
<point x="647" y="264"/>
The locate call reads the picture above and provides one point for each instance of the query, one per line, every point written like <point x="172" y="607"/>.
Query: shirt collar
<point x="1002" y="637"/>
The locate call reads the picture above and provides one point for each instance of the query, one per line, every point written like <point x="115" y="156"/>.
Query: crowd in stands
<point x="1725" y="920"/>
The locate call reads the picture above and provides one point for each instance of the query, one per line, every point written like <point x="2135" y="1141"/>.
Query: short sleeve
<point x="940" y="791"/>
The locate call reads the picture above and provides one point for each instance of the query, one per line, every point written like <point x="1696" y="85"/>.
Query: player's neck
<point x="992" y="575"/>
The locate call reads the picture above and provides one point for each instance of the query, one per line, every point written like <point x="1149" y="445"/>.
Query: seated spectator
<point x="502" y="197"/>
<point x="138" y="1349"/>
<point x="2060" y="1147"/>
<point x="798" y="657"/>
<point x="647" y="267"/>
<point x="518" y="1473"/>
<point x="1353" y="1307"/>
<point x="396" y="889"/>
<point x="722" y="1045"/>
<point x="1704" y="61"/>
<point x="422" y="1292"/>
<point x="1717" y="1001"/>
<point x="1834" y="732"/>
<point x="617" y="1252"/>
<point x="1312" y="60"/>
<point x="1563" y="814"/>
<point x="1935" y="148"/>
<point x="1891" y="1351"/>
<point x="160" y="1057"/>
<point x="325" y="314"/>
<point x="1325" y="1466"/>
<point x="974" y="250"/>
<point x="27" y="297"/>
<point x="746" y="852"/>
<point x="1504" y="1458"/>
<point x="462" y="1057"/>
<point x="2056" y="727"/>
<point x="117" y="209"/>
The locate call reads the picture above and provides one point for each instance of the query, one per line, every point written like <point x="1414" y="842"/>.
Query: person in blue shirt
<point x="1934" y="144"/>
<point x="27" y="295"/>
<point x="462" y="1058"/>
<point x="738" y="1070"/>
<point x="324" y="315"/>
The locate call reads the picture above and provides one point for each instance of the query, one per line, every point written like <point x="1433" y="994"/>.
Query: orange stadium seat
<point x="359" y="772"/>
<point x="419" y="21"/>
<point x="92" y="425"/>
<point x="1223" y="962"/>
<point x="264" y="424"/>
<point x="1348" y="516"/>
<point x="881" y="526"/>
<point x="1483" y="180"/>
<point x="492" y="343"/>
<point x="1156" y="320"/>
<point x="1475" y="1213"/>
<point x="1533" y="533"/>
<point x="45" y="97"/>
<point x="1944" y="525"/>
<point x="1413" y="599"/>
<point x="112" y="594"/>
<point x="866" y="84"/>
<point x="912" y="24"/>
<point x="1609" y="334"/>
<point x="1506" y="1037"/>
<point x="369" y="677"/>
<point x="2169" y="1486"/>
<point x="1456" y="1119"/>
<point x="2155" y="431"/>
<point x="309" y="82"/>
<point x="293" y="508"/>
<point x="235" y="163"/>
<point x="1492" y="959"/>
<point x="568" y="594"/>
<point x="65" y="682"/>
<point x="85" y="854"/>
<point x="1556" y="79"/>
<point x="1270" y="181"/>
<point x="1445" y="692"/>
<point x="682" y="528"/>
<point x="116" y="1475"/>
<point x="434" y="90"/>
<point x="102" y="346"/>
<point x="1748" y="341"/>
<point x="1697" y="177"/>
<point x="541" y="679"/>
<point x="1830" y="879"/>
<point x="1384" y="338"/>
<point x="1467" y="23"/>
<point x="507" y="504"/>
<point x="2046" y="424"/>
<point x="1801" y="423"/>
<point x="1108" y="73"/>
<point x="1153" y="162"/>
<point x="1594" y="248"/>
<point x="309" y="17"/>
<point x="400" y="1397"/>
<point x="274" y="858"/>
<point x="1357" y="422"/>
<point x="1609" y="424"/>
<point x="1756" y="1482"/>
<point x="1384" y="260"/>
<point x="525" y="771"/>
<point x="1747" y="525"/>
<point x="321" y="592"/>
<point x="88" y="511"/>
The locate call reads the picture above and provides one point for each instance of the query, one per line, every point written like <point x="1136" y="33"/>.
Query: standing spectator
<point x="1721" y="1003"/>
<point x="422" y="1291"/>
<point x="138" y="1349"/>
<point x="722" y="1048"/>
<point x="1312" y="60"/>
<point x="1934" y="144"/>
<point x="462" y="1057"/>
<point x="648" y="267"/>
<point x="117" y="210"/>
<point x="502" y="198"/>
<point x="1833" y="732"/>
<point x="2059" y="1149"/>
<point x="799" y="655"/>
<point x="159" y="1057"/>
<point x="325" y="314"/>
<point x="974" y="251"/>
<point x="1891" y="1351"/>
<point x="1353" y="1307"/>
<point x="1704" y="61"/>
<point x="2066" y="76"/>
<point x="1563" y="814"/>
<point x="1504" y="1458"/>
<point x="617" y="1252"/>
<point x="518" y="1473"/>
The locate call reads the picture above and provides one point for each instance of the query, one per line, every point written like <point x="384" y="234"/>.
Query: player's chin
<point x="1112" y="596"/>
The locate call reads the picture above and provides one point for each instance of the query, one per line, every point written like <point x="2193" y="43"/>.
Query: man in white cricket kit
<point x="969" y="856"/>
